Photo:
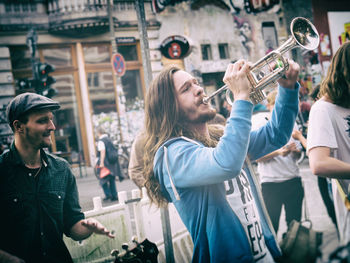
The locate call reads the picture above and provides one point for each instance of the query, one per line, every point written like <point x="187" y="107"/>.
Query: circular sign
<point x="175" y="47"/>
<point x="118" y="64"/>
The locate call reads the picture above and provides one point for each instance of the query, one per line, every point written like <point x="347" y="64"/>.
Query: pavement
<point x="88" y="187"/>
<point x="316" y="212"/>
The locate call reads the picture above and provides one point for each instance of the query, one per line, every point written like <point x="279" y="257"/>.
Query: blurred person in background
<point x="322" y="182"/>
<point x="105" y="159"/>
<point x="135" y="168"/>
<point x="328" y="138"/>
<point x="280" y="178"/>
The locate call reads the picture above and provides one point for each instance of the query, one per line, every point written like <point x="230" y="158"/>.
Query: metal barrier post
<point x="168" y="240"/>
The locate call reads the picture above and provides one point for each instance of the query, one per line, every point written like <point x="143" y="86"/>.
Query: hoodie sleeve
<point x="277" y="131"/>
<point x="191" y="164"/>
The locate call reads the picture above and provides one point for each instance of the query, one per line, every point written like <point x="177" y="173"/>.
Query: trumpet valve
<point x="256" y="96"/>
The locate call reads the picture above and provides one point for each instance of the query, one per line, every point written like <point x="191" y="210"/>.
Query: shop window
<point x="68" y="142"/>
<point x="102" y="92"/>
<point x="132" y="89"/>
<point x="93" y="79"/>
<point x="206" y="52"/>
<point x="21" y="58"/>
<point x="97" y="54"/>
<point x="103" y="104"/>
<point x="8" y="7"/>
<point x="115" y="108"/>
<point x="16" y="8"/>
<point x="58" y="57"/>
<point x="25" y="7"/>
<point x="129" y="52"/>
<point x="223" y="51"/>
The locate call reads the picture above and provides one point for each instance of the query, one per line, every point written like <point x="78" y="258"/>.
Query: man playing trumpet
<point x="190" y="163"/>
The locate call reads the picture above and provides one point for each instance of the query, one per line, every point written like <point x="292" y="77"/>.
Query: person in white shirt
<point x="328" y="139"/>
<point x="280" y="178"/>
<point x="104" y="147"/>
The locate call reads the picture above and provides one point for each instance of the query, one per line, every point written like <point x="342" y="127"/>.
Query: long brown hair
<point x="336" y="85"/>
<point x="161" y="124"/>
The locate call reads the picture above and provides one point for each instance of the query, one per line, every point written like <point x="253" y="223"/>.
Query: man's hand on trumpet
<point x="291" y="75"/>
<point x="236" y="79"/>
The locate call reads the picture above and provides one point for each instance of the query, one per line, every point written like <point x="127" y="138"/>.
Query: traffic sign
<point x="118" y="64"/>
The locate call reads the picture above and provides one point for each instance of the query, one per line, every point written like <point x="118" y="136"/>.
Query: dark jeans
<point x="289" y="193"/>
<point x="323" y="186"/>
<point x="109" y="187"/>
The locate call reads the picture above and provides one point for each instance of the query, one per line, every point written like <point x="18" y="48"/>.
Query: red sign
<point x="175" y="47"/>
<point x="118" y="64"/>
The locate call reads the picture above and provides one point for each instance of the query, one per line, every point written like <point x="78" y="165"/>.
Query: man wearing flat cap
<point x="38" y="192"/>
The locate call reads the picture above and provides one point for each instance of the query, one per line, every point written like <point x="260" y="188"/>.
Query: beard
<point x="38" y="140"/>
<point x="201" y="118"/>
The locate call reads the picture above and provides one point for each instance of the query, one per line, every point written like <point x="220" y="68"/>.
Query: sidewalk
<point x="88" y="187"/>
<point x="317" y="213"/>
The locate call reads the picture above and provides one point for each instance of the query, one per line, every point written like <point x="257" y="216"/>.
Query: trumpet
<point x="272" y="67"/>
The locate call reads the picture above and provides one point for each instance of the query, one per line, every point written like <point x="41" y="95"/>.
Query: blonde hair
<point x="271" y="97"/>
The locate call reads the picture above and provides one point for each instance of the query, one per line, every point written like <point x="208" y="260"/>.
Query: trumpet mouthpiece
<point x="206" y="100"/>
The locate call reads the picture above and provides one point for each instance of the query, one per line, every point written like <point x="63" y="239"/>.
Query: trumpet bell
<point x="304" y="33"/>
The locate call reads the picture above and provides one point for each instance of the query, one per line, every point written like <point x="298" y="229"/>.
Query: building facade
<point x="74" y="37"/>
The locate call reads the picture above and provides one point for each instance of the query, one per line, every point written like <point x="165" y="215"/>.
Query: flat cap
<point x="25" y="102"/>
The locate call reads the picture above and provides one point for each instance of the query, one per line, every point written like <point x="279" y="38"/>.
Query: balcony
<point x="71" y="18"/>
<point x="20" y="16"/>
<point x="78" y="18"/>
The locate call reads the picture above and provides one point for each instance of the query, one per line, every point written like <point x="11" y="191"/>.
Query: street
<point x="88" y="187"/>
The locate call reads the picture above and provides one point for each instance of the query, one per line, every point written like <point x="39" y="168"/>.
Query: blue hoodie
<point x="213" y="189"/>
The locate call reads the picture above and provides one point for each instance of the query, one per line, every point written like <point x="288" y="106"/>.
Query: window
<point x="93" y="79"/>
<point x="101" y="92"/>
<point x="115" y="102"/>
<point x="206" y="52"/>
<point x="21" y="58"/>
<point x="132" y="88"/>
<point x="8" y="7"/>
<point x="25" y="8"/>
<point x="95" y="54"/>
<point x="129" y="52"/>
<point x="223" y="51"/>
<point x="33" y="7"/>
<point x="16" y="8"/>
<point x="67" y="133"/>
<point x="59" y="57"/>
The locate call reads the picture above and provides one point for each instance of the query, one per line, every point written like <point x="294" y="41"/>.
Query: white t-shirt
<point x="329" y="126"/>
<point x="101" y="145"/>
<point x="240" y="198"/>
<point x="279" y="168"/>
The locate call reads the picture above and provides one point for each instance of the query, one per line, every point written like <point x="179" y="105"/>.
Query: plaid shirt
<point x="36" y="211"/>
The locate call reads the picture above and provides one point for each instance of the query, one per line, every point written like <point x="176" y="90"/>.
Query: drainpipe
<point x="114" y="50"/>
<point x="142" y="26"/>
<point x="146" y="62"/>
